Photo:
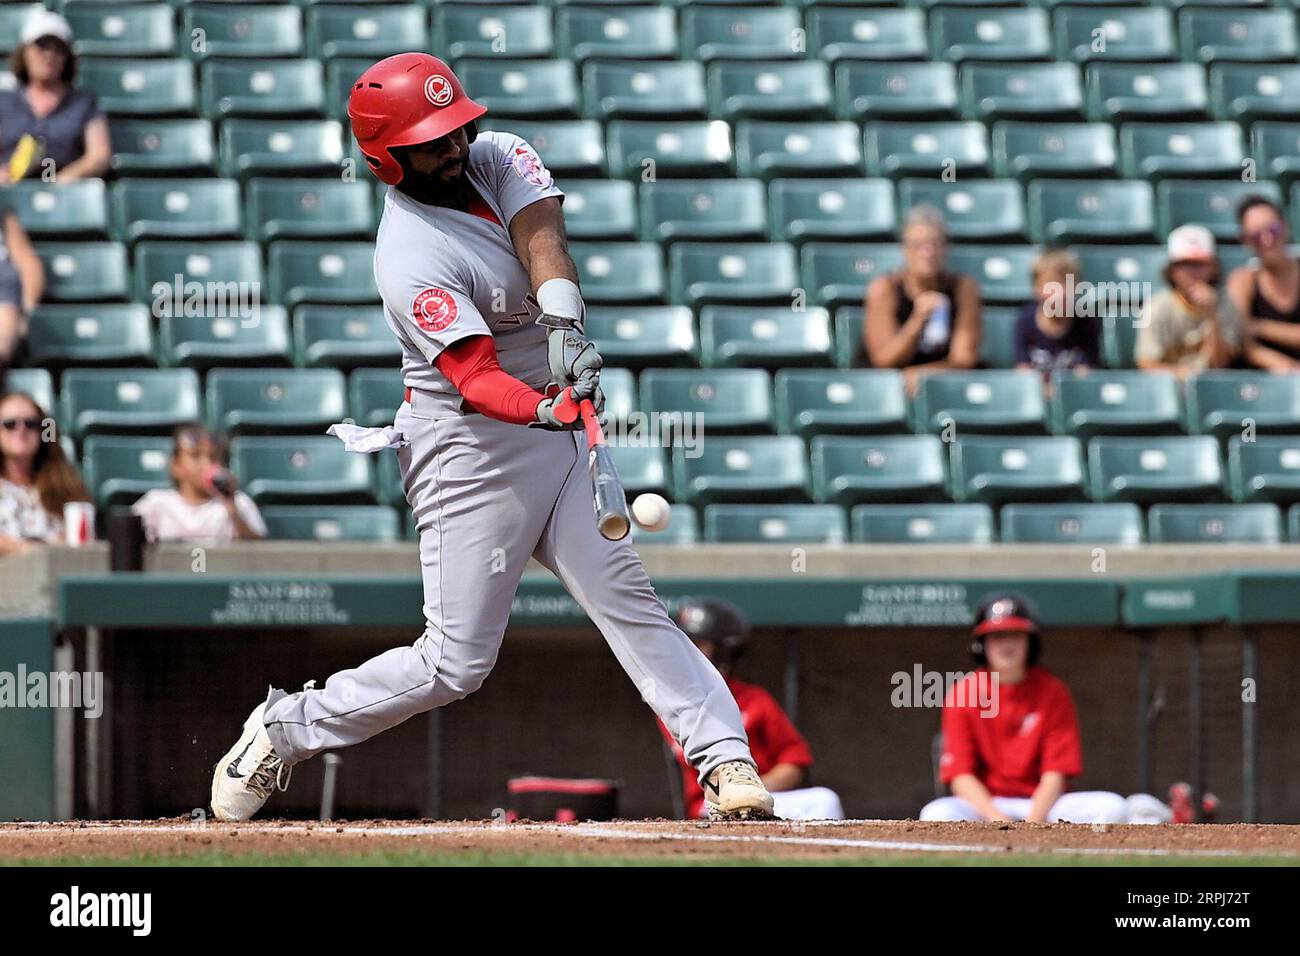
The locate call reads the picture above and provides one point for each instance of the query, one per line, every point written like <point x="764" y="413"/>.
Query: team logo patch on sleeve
<point x="434" y="309"/>
<point x="528" y="166"/>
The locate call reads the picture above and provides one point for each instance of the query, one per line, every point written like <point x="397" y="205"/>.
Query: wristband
<point x="561" y="298"/>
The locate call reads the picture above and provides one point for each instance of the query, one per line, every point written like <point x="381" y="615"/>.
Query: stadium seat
<point x="365" y="30"/>
<point x="865" y="33"/>
<point x="599" y="209"/>
<point x="848" y="208"/>
<point x="1245" y="92"/>
<point x="620" y="272"/>
<point x="1266" y="469"/>
<point x="238" y="87"/>
<point x="641" y="336"/>
<point x="340" y="75"/>
<point x="636" y="32"/>
<point x="374" y="523"/>
<point x="84" y="271"/>
<point x="1136" y="33"/>
<point x="901" y="91"/>
<point x="648" y="150"/>
<point x="308" y="209"/>
<point x="1275" y="146"/>
<point x="1127" y="265"/>
<point x="642" y="468"/>
<point x="250" y="147"/>
<point x="1030" y="150"/>
<point x="1159" y="150"/>
<point x="738" y="33"/>
<point x="741" y="272"/>
<point x="768" y="149"/>
<point x="326" y="272"/>
<point x="230" y="270"/>
<point x="773" y="89"/>
<point x="343" y="337"/>
<point x="388" y="488"/>
<point x="36" y="382"/>
<point x="850" y="350"/>
<point x="619" y="385"/>
<point x="1145" y="91"/>
<point x="1212" y="524"/>
<point x="1225" y="403"/>
<point x="1064" y="211"/>
<point x="302" y="469"/>
<point x="266" y="401"/>
<point x="992" y="91"/>
<point x="568" y="147"/>
<point x="160" y="147"/>
<point x="205" y="341"/>
<point x="1208" y="36"/>
<point x="769" y="468"/>
<point x="64" y="211"/>
<point x="150" y="401"/>
<point x="1114" y="403"/>
<point x="922" y="524"/>
<point x="683" y="529"/>
<point x="646" y="89"/>
<point x="12" y="18"/>
<point x="927" y="149"/>
<point x="775" y="524"/>
<point x="1212" y="203"/>
<point x="990" y="33"/>
<point x="1119" y="341"/>
<point x="121" y="29"/>
<point x="136" y="87"/>
<point x="374" y="395"/>
<point x="672" y="210"/>
<point x="1151" y="469"/>
<point x="997" y="336"/>
<point x="175" y="209"/>
<point x="1003" y="272"/>
<point x="998" y="471"/>
<point x="981" y="402"/>
<point x="530" y="89"/>
<point x="850" y="470"/>
<point x="976" y="210"/>
<point x="1117" y="523"/>
<point x="492" y="30"/>
<point x="812" y="402"/>
<point x="241" y="29"/>
<point x="838" y="273"/>
<point x="118" y="469"/>
<point x="770" y="337"/>
<point x="723" y="400"/>
<point x="64" y="335"/>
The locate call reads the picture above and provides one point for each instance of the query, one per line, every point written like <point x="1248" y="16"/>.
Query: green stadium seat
<point x="365" y="30"/>
<point x="627" y="32"/>
<point x="72" y="210"/>
<point x="599" y="209"/>
<point x="769" y="468"/>
<point x="388" y="488"/>
<point x="620" y="272"/>
<point x="340" y="75"/>
<point x="1122" y="264"/>
<point x="990" y="33"/>
<point x="1212" y="524"/>
<point x="647" y="89"/>
<point x="773" y="89"/>
<point x="672" y="210"/>
<point x="568" y="147"/>
<point x="1245" y="92"/>
<point x="876" y="469"/>
<point x="922" y="524"/>
<point x="850" y="350"/>
<point x="84" y="271"/>
<point x="374" y="523"/>
<point x="925" y="149"/>
<point x="234" y="266"/>
<point x="846" y="208"/>
<point x="374" y="395"/>
<point x="875" y="91"/>
<point x="998" y="471"/>
<point x="812" y="402"/>
<point x="205" y="341"/>
<point x="135" y="87"/>
<point x="683" y="530"/>
<point x="1030" y="150"/>
<point x="329" y="272"/>
<point x="768" y="149"/>
<point x="838" y="273"/>
<point x="36" y="382"/>
<point x="1159" y="150"/>
<point x="1212" y="204"/>
<point x="997" y="336"/>
<point x="769" y="337"/>
<point x="1003" y="272"/>
<point x="1115" y="403"/>
<point x="1119" y="341"/>
<point x="118" y="469"/>
<point x="1117" y="523"/>
<point x="250" y="147"/>
<point x="1225" y="403"/>
<point x="308" y="209"/>
<point x="1266" y="469"/>
<point x="161" y="147"/>
<point x="1257" y="36"/>
<point x="855" y="32"/>
<point x="976" y="210"/>
<point x="245" y="401"/>
<point x="12" y="18"/>
<point x="642" y="336"/>
<point x="1138" y="33"/>
<point x="1145" y="91"/>
<point x="1275" y="147"/>
<point x="982" y="402"/>
<point x="63" y="335"/>
<point x="175" y="209"/>
<point x="240" y="87"/>
<point x="649" y="150"/>
<point x="495" y="30"/>
<point x="738" y="33"/>
<point x="149" y="401"/>
<point x="1063" y="211"/>
<point x="526" y="88"/>
<point x="343" y="337"/>
<point x="754" y="272"/>
<point x="242" y="29"/>
<point x="775" y="524"/>
<point x="642" y="468"/>
<point x="1155" y="468"/>
<point x="991" y="91"/>
<point x="121" y="29"/>
<point x="302" y="469"/>
<point x="724" y="400"/>
<point x="619" y="386"/>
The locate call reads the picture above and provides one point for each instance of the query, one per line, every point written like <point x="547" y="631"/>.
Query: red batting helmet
<point x="405" y="100"/>
<point x="1005" y="612"/>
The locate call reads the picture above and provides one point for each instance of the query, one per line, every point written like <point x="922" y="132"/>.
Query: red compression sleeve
<point x="471" y="366"/>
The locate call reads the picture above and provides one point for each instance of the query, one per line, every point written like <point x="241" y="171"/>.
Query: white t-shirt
<point x="169" y="517"/>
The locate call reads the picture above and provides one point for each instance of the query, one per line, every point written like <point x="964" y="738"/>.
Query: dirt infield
<point x="662" y="841"/>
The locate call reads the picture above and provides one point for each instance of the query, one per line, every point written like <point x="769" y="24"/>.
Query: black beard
<point x="432" y="191"/>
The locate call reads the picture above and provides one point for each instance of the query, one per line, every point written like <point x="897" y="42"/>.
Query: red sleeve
<point x="471" y="365"/>
<point x="781" y="741"/>
<point x="1062" y="749"/>
<point x="960" y="753"/>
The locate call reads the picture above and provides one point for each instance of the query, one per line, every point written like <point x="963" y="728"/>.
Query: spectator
<point x="64" y="118"/>
<point x="1267" y="295"/>
<point x="720" y="631"/>
<point x="923" y="318"/>
<point x="36" y="479"/>
<point x="204" y="503"/>
<point x="22" y="283"/>
<point x="1189" y="326"/>
<point x="1048" y="335"/>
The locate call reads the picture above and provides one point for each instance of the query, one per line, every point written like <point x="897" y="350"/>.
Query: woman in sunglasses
<point x="1267" y="292"/>
<point x="36" y="479"/>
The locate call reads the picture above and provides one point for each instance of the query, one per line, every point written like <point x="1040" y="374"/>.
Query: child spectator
<point x="1048" y="335"/>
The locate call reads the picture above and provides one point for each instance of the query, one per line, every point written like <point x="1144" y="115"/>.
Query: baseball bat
<point x="608" y="497"/>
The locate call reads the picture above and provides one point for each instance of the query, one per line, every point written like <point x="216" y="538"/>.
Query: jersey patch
<point x="528" y="167"/>
<point x="434" y="309"/>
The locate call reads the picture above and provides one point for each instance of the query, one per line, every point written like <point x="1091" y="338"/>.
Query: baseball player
<point x="478" y="286"/>
<point x="1008" y="755"/>
<point x="720" y="630"/>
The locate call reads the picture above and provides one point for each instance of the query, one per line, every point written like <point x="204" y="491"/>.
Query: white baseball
<point x="652" y="512"/>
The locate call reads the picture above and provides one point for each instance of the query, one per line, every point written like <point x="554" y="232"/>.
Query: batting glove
<point x="571" y="355"/>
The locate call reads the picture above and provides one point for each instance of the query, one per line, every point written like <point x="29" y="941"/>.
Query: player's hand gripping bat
<point x="607" y="490"/>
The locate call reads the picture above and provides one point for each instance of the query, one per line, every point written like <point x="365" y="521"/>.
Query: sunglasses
<point x="13" y="424"/>
<point x="1256" y="236"/>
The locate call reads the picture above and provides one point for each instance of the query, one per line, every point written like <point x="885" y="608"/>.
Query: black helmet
<point x="712" y="619"/>
<point x="1004" y="612"/>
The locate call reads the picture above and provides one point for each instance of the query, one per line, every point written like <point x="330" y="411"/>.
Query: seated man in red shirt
<point x="1011" y="738"/>
<point x="720" y="630"/>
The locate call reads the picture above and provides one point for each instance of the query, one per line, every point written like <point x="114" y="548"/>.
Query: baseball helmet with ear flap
<point x="712" y="619"/>
<point x="1005" y="612"/>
